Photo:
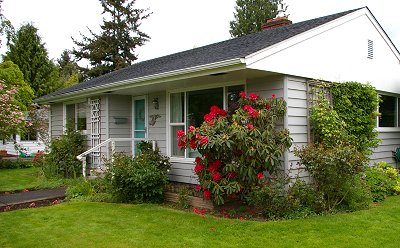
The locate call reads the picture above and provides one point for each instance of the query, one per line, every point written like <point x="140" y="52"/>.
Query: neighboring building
<point x="155" y="98"/>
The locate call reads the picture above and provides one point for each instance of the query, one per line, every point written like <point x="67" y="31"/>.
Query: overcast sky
<point x="175" y="25"/>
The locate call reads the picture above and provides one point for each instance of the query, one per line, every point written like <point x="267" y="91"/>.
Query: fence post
<point x="84" y="167"/>
<point x="112" y="150"/>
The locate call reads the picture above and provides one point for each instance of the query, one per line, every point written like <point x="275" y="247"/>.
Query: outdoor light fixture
<point x="155" y="102"/>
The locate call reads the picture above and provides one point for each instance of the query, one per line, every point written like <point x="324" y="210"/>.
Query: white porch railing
<point x="82" y="157"/>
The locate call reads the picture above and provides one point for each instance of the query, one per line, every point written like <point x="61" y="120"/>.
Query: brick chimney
<point x="276" y="22"/>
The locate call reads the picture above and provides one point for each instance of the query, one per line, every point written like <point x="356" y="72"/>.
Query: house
<point x="155" y="98"/>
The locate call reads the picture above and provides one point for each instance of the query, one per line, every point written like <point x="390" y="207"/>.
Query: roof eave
<point x="155" y="78"/>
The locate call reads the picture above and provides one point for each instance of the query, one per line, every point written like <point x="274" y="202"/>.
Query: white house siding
<point x="120" y="106"/>
<point x="390" y="141"/>
<point x="56" y="120"/>
<point x="157" y="131"/>
<point x="297" y="121"/>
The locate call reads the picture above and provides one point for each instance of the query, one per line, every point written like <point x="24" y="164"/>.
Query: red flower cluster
<point x="216" y="176"/>
<point x="191" y="129"/>
<point x="207" y="195"/>
<point x="197" y="187"/>
<point x="242" y="95"/>
<point x="180" y="133"/>
<point x="215" y="111"/>
<point x="231" y="174"/>
<point x="198" y="168"/>
<point x="253" y="96"/>
<point x="214" y="166"/>
<point x="268" y="106"/>
<point x="260" y="176"/>
<point x="203" y="140"/>
<point x="252" y="112"/>
<point x="249" y="126"/>
<point x="199" y="211"/>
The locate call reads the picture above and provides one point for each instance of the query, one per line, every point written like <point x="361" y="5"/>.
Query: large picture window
<point x="76" y="115"/>
<point x="188" y="109"/>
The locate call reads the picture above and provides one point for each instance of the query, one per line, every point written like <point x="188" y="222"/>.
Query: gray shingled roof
<point x="222" y="51"/>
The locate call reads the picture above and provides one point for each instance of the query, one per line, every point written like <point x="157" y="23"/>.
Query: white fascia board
<point x="265" y="53"/>
<point x="230" y="65"/>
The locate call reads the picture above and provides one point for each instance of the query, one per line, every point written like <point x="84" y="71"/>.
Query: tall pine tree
<point x="250" y="15"/>
<point x="27" y="50"/>
<point x="114" y="48"/>
<point x="68" y="69"/>
<point x="5" y="25"/>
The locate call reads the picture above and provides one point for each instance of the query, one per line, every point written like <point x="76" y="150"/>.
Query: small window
<point x="76" y="115"/>
<point x="370" y="49"/>
<point x="388" y="109"/>
<point x="29" y="135"/>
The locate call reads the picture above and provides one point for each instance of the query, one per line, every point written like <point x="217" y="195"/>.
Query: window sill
<point x="388" y="129"/>
<point x="182" y="160"/>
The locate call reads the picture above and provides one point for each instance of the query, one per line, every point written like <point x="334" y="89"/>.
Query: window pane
<point x="30" y="135"/>
<point x="233" y="97"/>
<point x="81" y="114"/>
<point x="200" y="102"/>
<point x="177" y="107"/>
<point x="387" y="108"/>
<point x="71" y="115"/>
<point x="175" y="150"/>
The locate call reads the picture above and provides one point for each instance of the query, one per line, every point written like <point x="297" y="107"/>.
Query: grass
<point x="85" y="224"/>
<point x="27" y="178"/>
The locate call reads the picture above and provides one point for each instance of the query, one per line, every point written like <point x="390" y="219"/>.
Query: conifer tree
<point x="114" y="48"/>
<point x="27" y="51"/>
<point x="250" y="15"/>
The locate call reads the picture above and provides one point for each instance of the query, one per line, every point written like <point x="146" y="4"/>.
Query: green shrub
<point x="383" y="180"/>
<point x="81" y="189"/>
<point x="15" y="164"/>
<point x="277" y="198"/>
<point x="96" y="190"/>
<point x="61" y="161"/>
<point x="334" y="171"/>
<point x="139" y="179"/>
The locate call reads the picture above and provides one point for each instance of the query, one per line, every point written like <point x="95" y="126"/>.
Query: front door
<point x="139" y="121"/>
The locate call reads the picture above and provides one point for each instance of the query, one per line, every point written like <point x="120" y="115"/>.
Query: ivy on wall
<point x="356" y="104"/>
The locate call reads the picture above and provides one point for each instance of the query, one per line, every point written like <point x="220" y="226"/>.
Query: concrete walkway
<point x="31" y="196"/>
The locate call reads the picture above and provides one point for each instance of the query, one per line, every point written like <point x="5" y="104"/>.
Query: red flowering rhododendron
<point x="198" y="168"/>
<point x="216" y="176"/>
<point x="253" y="96"/>
<point x="207" y="195"/>
<point x="273" y="96"/>
<point x="233" y="157"/>
<point x="191" y="129"/>
<point x="197" y="187"/>
<point x="249" y="126"/>
<point x="180" y="133"/>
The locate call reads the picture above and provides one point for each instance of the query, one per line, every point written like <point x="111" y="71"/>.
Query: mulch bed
<point x="32" y="204"/>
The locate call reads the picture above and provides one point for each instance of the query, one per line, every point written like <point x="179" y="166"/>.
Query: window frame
<point x="169" y="125"/>
<point x="397" y="113"/>
<point x="75" y="103"/>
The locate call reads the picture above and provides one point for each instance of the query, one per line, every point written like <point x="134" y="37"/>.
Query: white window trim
<point x="84" y="132"/>
<point x="185" y="90"/>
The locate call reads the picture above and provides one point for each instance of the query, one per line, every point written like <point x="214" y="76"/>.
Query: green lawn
<point x="28" y="178"/>
<point x="83" y="224"/>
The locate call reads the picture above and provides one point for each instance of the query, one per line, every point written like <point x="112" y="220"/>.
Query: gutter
<point x="140" y="81"/>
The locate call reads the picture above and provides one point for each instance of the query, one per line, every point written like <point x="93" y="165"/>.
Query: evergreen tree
<point x="250" y="15"/>
<point x="27" y="50"/>
<point x="68" y="69"/>
<point x="114" y="48"/>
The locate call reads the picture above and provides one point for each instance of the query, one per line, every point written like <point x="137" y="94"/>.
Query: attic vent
<point x="370" y="49"/>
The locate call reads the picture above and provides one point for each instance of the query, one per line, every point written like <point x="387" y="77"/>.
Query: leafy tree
<point x="5" y="25"/>
<point x="12" y="119"/>
<point x="27" y="50"/>
<point x="68" y="69"/>
<point x="250" y="15"/>
<point x="114" y="47"/>
<point x="13" y="77"/>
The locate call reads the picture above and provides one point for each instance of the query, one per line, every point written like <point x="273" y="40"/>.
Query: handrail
<point x="81" y="157"/>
